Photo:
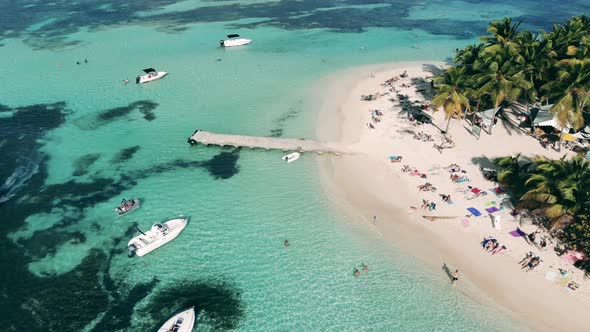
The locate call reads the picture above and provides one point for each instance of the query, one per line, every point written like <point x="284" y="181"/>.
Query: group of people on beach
<point x="426" y="204"/>
<point x="424" y="137"/>
<point x="532" y="239"/>
<point x="531" y="261"/>
<point x="427" y="187"/>
<point x="413" y="171"/>
<point x="390" y="83"/>
<point x="375" y="118"/>
<point x="493" y="246"/>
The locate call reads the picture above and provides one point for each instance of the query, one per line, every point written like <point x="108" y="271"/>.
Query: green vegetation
<point x="513" y="66"/>
<point x="555" y="190"/>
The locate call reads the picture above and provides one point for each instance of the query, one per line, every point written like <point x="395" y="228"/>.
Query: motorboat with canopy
<point x="150" y="75"/>
<point x="234" y="40"/>
<point x="157" y="236"/>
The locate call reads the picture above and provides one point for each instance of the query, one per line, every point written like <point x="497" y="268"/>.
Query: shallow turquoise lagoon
<point x="65" y="248"/>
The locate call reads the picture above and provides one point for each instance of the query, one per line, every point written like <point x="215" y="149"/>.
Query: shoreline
<point x="366" y="184"/>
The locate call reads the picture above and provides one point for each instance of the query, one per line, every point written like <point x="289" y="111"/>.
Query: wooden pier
<point x="268" y="143"/>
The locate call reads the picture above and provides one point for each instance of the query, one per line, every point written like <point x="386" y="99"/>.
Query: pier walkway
<point x="269" y="143"/>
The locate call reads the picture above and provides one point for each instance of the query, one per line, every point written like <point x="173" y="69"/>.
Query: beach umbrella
<point x="568" y="137"/>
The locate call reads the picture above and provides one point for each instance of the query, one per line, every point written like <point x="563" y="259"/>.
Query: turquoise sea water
<point x="76" y="141"/>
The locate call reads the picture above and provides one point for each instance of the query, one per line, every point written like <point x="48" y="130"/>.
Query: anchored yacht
<point x="234" y="40"/>
<point x="157" y="236"/>
<point x="150" y="75"/>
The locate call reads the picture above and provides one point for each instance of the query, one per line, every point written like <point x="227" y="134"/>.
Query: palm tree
<point x="569" y="41"/>
<point x="514" y="173"/>
<point x="498" y="77"/>
<point x="571" y="92"/>
<point x="559" y="189"/>
<point x="503" y="35"/>
<point x="468" y="55"/>
<point x="451" y="93"/>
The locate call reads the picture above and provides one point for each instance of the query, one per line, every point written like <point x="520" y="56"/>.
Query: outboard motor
<point x="132" y="249"/>
<point x="221" y="43"/>
<point x="137" y="80"/>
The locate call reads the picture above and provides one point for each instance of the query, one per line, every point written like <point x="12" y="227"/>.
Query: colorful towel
<point x="466" y="223"/>
<point x="517" y="233"/>
<point x="564" y="281"/>
<point x="490" y="203"/>
<point x="492" y="209"/>
<point x="474" y="211"/>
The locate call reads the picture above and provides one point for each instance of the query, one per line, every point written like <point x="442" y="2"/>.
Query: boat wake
<point x="19" y="177"/>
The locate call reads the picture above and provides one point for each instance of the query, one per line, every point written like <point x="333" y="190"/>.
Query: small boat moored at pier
<point x="182" y="322"/>
<point x="157" y="236"/>
<point x="291" y="157"/>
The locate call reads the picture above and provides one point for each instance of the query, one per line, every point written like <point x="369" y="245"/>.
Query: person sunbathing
<point x="494" y="246"/>
<point x="488" y="247"/>
<point x="498" y="250"/>
<point x="486" y="241"/>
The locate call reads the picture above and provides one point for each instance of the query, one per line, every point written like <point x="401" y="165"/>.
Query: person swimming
<point x="286" y="243"/>
<point x="356" y="272"/>
<point x="365" y="268"/>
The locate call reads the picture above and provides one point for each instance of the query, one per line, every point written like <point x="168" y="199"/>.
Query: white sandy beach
<point x="366" y="183"/>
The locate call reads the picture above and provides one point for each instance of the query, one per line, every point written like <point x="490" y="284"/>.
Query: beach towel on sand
<point x="474" y="211"/>
<point x="466" y="223"/>
<point x="517" y="233"/>
<point x="496" y="221"/>
<point x="492" y="209"/>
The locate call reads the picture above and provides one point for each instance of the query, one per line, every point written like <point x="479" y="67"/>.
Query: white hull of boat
<point x="150" y="77"/>
<point x="182" y="322"/>
<point x="236" y="42"/>
<point x="152" y="240"/>
<point x="292" y="157"/>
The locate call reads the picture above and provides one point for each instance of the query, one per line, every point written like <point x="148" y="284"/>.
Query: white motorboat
<point x="182" y="322"/>
<point x="127" y="206"/>
<point x="157" y="236"/>
<point x="150" y="75"/>
<point x="291" y="157"/>
<point x="234" y="40"/>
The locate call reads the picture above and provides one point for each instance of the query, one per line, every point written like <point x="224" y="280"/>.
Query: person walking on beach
<point x="455" y="276"/>
<point x="374" y="219"/>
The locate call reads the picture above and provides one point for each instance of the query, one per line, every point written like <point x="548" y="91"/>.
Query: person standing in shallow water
<point x="286" y="243"/>
<point x="455" y="276"/>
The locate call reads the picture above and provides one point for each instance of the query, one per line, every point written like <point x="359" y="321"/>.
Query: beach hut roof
<point x="488" y="115"/>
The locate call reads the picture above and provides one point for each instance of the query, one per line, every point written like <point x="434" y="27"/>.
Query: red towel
<point x="476" y="190"/>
